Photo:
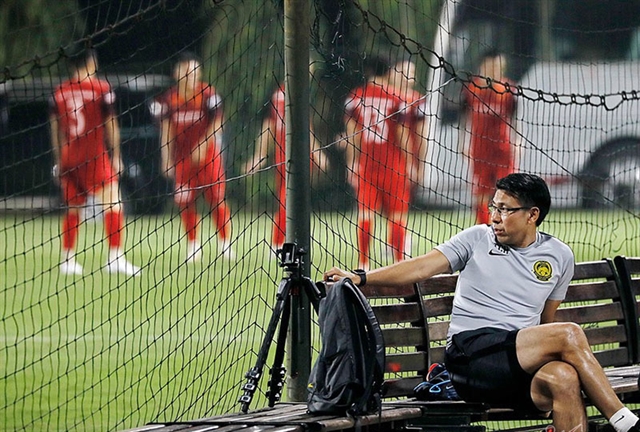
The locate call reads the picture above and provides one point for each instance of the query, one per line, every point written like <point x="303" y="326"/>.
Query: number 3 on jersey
<point x="76" y="116"/>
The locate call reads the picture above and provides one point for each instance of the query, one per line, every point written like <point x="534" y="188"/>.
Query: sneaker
<point x="437" y="385"/>
<point x="194" y="252"/>
<point x="70" y="267"/>
<point x="119" y="264"/>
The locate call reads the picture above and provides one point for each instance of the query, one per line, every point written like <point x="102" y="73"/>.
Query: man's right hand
<point x="336" y="274"/>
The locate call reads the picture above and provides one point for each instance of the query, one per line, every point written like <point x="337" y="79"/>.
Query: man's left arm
<point x="549" y="312"/>
<point x="551" y="305"/>
<point x="112" y="134"/>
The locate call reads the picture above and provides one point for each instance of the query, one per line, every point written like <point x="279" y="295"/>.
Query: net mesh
<point x="102" y="350"/>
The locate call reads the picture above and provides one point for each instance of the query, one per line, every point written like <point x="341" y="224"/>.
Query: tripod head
<point x="291" y="258"/>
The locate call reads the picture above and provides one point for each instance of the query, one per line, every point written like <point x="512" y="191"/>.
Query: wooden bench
<point x="629" y="271"/>
<point x="594" y="300"/>
<point x="415" y="321"/>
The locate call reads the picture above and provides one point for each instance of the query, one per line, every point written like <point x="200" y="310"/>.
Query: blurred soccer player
<point x="490" y="112"/>
<point x="272" y="141"/>
<point x="402" y="78"/>
<point x="83" y="130"/>
<point x="377" y="153"/>
<point x="191" y="127"/>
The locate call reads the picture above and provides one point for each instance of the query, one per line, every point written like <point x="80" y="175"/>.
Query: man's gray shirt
<point x="504" y="287"/>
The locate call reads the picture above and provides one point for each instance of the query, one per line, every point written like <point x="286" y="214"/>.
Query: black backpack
<point x="348" y="374"/>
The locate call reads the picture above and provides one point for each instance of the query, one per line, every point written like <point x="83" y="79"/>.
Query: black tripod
<point x="291" y="261"/>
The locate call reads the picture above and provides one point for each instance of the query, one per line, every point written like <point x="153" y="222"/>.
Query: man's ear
<point x="534" y="214"/>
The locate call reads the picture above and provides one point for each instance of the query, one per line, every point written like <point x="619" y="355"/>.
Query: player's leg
<point x="106" y="188"/>
<point x="396" y="201"/>
<point x="280" y="218"/>
<point x="184" y="196"/>
<point x="556" y="388"/>
<point x="484" y="181"/>
<point x="481" y="202"/>
<point x="73" y="197"/>
<point x="566" y="342"/>
<point x="211" y="177"/>
<point x="367" y="204"/>
<point x="398" y="234"/>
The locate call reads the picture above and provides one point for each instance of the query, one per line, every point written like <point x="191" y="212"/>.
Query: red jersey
<point x="377" y="112"/>
<point x="491" y="110"/>
<point x="82" y="107"/>
<point x="415" y="111"/>
<point x="414" y="106"/>
<point x="189" y="119"/>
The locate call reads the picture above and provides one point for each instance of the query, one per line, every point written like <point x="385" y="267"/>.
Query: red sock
<point x="364" y="237"/>
<point x="222" y="216"/>
<point x="113" y="228"/>
<point x="189" y="218"/>
<point x="70" y="230"/>
<point x="279" y="227"/>
<point x="397" y="239"/>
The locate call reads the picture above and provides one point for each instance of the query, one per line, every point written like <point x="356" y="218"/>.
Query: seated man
<point x="503" y="344"/>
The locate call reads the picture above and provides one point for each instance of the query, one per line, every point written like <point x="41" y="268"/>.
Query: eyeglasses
<point x="505" y="211"/>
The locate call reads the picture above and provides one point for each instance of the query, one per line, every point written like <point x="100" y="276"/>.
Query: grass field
<point x="107" y="352"/>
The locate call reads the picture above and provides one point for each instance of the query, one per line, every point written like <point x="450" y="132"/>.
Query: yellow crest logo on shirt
<point x="543" y="270"/>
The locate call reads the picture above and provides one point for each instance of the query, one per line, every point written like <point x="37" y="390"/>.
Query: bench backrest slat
<point x="591" y="314"/>
<point x="613" y="357"/>
<point x="397" y="313"/>
<point x="404" y="336"/>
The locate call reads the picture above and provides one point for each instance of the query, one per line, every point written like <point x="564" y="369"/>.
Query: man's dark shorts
<point x="484" y="368"/>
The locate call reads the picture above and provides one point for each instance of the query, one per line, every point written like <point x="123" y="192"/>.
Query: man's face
<point x="92" y="65"/>
<point x="409" y="73"/>
<point x="187" y="74"/>
<point x="513" y="225"/>
<point x="493" y="67"/>
<point x="87" y="68"/>
<point x="403" y="75"/>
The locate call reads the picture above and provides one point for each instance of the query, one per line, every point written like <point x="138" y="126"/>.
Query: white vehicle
<point x="578" y="115"/>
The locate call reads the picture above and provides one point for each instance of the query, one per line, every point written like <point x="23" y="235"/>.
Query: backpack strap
<point x="376" y="341"/>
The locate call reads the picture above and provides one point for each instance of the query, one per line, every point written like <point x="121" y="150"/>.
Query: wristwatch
<point x="363" y="276"/>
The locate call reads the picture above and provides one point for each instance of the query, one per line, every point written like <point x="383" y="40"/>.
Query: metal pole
<point x="296" y="62"/>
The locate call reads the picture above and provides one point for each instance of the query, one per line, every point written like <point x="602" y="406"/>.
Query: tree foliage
<point x="32" y="32"/>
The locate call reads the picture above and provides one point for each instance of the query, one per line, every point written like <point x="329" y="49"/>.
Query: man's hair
<point x="489" y="53"/>
<point x="187" y="56"/>
<point x="375" y="67"/>
<point x="529" y="189"/>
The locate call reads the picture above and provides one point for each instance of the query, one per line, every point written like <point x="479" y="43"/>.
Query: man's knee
<point x="559" y="376"/>
<point x="573" y="335"/>
<point x="556" y="382"/>
<point x="183" y="196"/>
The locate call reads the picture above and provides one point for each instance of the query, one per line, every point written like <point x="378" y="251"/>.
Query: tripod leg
<point x="314" y="292"/>
<point x="253" y="375"/>
<point x="278" y="371"/>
